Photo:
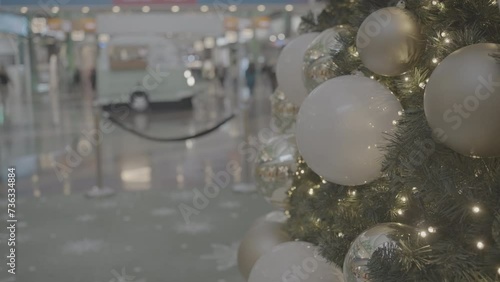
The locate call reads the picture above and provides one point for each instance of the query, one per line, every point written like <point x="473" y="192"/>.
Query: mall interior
<point x="100" y="201"/>
<point x="249" y="140"/>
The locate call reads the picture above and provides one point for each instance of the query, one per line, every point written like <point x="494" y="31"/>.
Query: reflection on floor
<point x="175" y="216"/>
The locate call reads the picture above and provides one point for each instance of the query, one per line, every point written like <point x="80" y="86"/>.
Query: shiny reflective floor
<point x="175" y="216"/>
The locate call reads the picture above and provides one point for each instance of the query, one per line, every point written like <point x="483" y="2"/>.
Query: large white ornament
<point x="294" y="261"/>
<point x="289" y="68"/>
<point x="341" y="127"/>
<point x="462" y="101"/>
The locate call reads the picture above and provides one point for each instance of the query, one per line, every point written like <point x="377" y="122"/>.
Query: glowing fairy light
<point x="476" y="209"/>
<point x="480" y="245"/>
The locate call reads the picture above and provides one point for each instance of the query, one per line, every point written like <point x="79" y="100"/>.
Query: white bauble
<point x="462" y="101"/>
<point x="341" y="126"/>
<point x="293" y="262"/>
<point x="289" y="68"/>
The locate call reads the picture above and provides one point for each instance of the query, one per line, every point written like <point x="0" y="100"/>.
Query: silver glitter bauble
<point x="275" y="168"/>
<point x="283" y="113"/>
<point x="383" y="235"/>
<point x="318" y="63"/>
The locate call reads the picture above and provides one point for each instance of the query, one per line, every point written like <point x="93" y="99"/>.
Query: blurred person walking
<point x="250" y="77"/>
<point x="4" y="83"/>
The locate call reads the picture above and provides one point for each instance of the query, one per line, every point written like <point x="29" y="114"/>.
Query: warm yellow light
<point x="400" y="211"/>
<point x="311" y="191"/>
<point x="435" y="60"/>
<point x="476" y="209"/>
<point x="480" y="245"/>
<point x="404" y="199"/>
<point x="431" y="229"/>
<point x="423" y="234"/>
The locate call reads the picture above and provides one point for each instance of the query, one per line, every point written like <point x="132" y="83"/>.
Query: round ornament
<point x="264" y="234"/>
<point x="289" y="68"/>
<point x="294" y="261"/>
<point x="462" y="99"/>
<point x="384" y="235"/>
<point x="283" y="112"/>
<point x="340" y="128"/>
<point x="390" y="41"/>
<point x="275" y="168"/>
<point x="318" y="64"/>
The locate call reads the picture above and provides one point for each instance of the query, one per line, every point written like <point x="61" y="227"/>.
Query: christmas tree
<point x="439" y="178"/>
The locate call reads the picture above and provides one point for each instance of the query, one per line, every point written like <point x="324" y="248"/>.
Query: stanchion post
<point x="99" y="191"/>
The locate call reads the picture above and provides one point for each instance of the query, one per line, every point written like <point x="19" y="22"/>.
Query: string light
<point x="403" y="199"/>
<point x="443" y="34"/>
<point x="431" y="229"/>
<point x="480" y="245"/>
<point x="423" y="234"/>
<point x="434" y="2"/>
<point x="498" y="271"/>
<point x="447" y="40"/>
<point x="407" y="78"/>
<point x="435" y="60"/>
<point x="311" y="191"/>
<point x="400" y="211"/>
<point x="476" y="209"/>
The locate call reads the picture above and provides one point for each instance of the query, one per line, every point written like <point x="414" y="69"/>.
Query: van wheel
<point x="139" y="101"/>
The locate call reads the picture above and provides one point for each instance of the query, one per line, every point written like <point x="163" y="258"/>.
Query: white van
<point x="140" y="70"/>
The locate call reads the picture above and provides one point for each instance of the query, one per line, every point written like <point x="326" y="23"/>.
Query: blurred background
<point x="93" y="94"/>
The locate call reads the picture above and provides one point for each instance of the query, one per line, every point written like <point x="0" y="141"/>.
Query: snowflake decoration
<point x="86" y="218"/>
<point x="193" y="228"/>
<point x="224" y="256"/>
<point x="163" y="212"/>
<point x="230" y="205"/>
<point x="83" y="246"/>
